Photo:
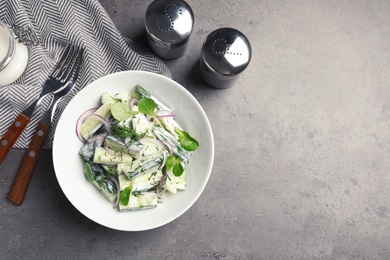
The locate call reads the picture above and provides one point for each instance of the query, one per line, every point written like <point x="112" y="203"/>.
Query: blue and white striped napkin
<point x="83" y="23"/>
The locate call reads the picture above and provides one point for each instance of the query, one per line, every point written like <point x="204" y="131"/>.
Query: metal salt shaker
<point x="226" y="53"/>
<point x="169" y="24"/>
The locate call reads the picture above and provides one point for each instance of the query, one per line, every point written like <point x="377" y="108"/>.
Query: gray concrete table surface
<point x="302" y="145"/>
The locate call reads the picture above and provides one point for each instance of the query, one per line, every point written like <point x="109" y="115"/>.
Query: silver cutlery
<point x="27" y="168"/>
<point x="56" y="81"/>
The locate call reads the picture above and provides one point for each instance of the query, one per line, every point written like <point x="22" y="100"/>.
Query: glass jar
<point x="13" y="56"/>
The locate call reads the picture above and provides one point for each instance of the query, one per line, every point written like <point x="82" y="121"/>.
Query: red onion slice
<point x="164" y="114"/>
<point x="99" y="139"/>
<point x="160" y="186"/>
<point x="80" y="121"/>
<point x="107" y="124"/>
<point x="133" y="149"/>
<point x="133" y="102"/>
<point x="169" y="146"/>
<point x="165" y="157"/>
<point x="111" y="151"/>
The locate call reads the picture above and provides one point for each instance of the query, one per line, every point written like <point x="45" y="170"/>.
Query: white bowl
<point x="68" y="164"/>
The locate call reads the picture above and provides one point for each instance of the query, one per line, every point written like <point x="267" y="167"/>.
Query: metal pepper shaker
<point x="226" y="53"/>
<point x="169" y="24"/>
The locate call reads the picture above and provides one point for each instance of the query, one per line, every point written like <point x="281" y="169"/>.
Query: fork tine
<point x="69" y="61"/>
<point x="62" y="62"/>
<point x="73" y="69"/>
<point x="77" y="64"/>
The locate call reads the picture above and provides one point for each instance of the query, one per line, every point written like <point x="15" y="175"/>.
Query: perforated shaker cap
<point x="169" y="22"/>
<point x="226" y="52"/>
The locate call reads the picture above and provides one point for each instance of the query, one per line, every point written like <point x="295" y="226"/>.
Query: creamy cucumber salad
<point x="134" y="150"/>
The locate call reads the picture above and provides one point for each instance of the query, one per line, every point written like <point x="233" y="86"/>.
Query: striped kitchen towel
<point x="83" y="23"/>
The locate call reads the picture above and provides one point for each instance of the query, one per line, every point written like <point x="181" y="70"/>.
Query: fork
<point x="27" y="168"/>
<point x="56" y="81"/>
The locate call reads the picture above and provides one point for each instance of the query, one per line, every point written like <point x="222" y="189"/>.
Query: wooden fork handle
<point x="26" y="170"/>
<point x="12" y="134"/>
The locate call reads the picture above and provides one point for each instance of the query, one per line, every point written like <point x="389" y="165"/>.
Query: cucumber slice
<point x="109" y="169"/>
<point x="173" y="183"/>
<point x="137" y="167"/>
<point x="91" y="125"/>
<point x="140" y="200"/>
<point x="123" y="181"/>
<point x="164" y="135"/>
<point x="170" y="124"/>
<point x="139" y="92"/>
<point x="101" y="181"/>
<point x="134" y="148"/>
<point x="88" y="149"/>
<point x="102" y="156"/>
<point x="144" y="182"/>
<point x="141" y="125"/>
<point x="169" y="186"/>
<point x="180" y="182"/>
<point x="123" y="97"/>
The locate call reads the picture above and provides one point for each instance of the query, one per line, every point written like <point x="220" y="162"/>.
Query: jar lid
<point x="7" y="45"/>
<point x="169" y="21"/>
<point x="226" y="51"/>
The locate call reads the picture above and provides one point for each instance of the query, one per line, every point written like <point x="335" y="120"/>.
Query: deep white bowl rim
<point x="69" y="117"/>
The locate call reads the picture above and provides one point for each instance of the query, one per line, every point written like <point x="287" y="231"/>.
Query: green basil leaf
<point x="121" y="111"/>
<point x="171" y="160"/>
<point x="88" y="172"/>
<point x="125" y="195"/>
<point x="174" y="163"/>
<point x="147" y="106"/>
<point x="178" y="169"/>
<point x="186" y="141"/>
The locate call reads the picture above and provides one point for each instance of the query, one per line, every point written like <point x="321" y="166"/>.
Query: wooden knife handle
<point x="26" y="170"/>
<point x="12" y="134"/>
